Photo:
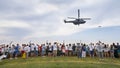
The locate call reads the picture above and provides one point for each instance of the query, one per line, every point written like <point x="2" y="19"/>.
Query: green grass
<point x="60" y="62"/>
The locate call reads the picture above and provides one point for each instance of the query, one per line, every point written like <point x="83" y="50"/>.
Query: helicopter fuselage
<point x="79" y="21"/>
<point x="76" y="21"/>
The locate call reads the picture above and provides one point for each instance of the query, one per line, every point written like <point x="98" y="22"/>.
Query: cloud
<point x="17" y="32"/>
<point x="110" y="22"/>
<point x="44" y="18"/>
<point x="17" y="24"/>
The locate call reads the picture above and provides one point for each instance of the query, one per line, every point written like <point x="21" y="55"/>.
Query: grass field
<point x="60" y="62"/>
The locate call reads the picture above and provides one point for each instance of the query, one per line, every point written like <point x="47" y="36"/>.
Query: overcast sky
<point x="41" y="20"/>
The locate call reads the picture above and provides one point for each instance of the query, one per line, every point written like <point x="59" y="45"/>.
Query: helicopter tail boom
<point x="68" y="21"/>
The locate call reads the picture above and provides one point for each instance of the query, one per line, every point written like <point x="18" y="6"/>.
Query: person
<point x="106" y="51"/>
<point x="111" y="51"/>
<point x="47" y="48"/>
<point x="43" y="50"/>
<point x="24" y="53"/>
<point x="91" y="49"/>
<point x="100" y="50"/>
<point x="22" y="49"/>
<point x="66" y="49"/>
<point x="63" y="50"/>
<point x="87" y="50"/>
<point x="11" y="51"/>
<point x="40" y="50"/>
<point x="36" y="50"/>
<point x="115" y="51"/>
<point x="27" y="50"/>
<point x="7" y="51"/>
<point x="0" y="50"/>
<point x="50" y="48"/>
<point x="83" y="50"/>
<point x="3" y="49"/>
<point x="2" y="57"/>
<point x="118" y="49"/>
<point x="74" y="50"/>
<point x="70" y="50"/>
<point x="79" y="50"/>
<point x="95" y="50"/>
<point x="16" y="52"/>
<point x="55" y="49"/>
<point x="59" y="50"/>
<point x="32" y="49"/>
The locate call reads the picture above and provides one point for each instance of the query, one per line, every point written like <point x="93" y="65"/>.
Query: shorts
<point x="118" y="51"/>
<point x="49" y="51"/>
<point x="66" y="50"/>
<point x="111" y="51"/>
<point x="70" y="50"/>
<point x="16" y="52"/>
<point x="31" y="52"/>
<point x="55" y="52"/>
<point x="91" y="52"/>
<point x="43" y="52"/>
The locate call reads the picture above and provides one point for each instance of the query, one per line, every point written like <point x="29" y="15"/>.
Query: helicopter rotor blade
<point x="86" y="18"/>
<point x="72" y="18"/>
<point x="78" y="13"/>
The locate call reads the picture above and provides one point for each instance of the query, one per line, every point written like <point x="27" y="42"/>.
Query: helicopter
<point x="78" y="20"/>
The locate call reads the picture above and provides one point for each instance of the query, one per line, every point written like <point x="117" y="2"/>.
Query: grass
<point x="60" y="62"/>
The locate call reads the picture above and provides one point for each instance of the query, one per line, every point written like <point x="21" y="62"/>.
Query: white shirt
<point x="66" y="48"/>
<point x="32" y="47"/>
<point x="11" y="50"/>
<point x="6" y="49"/>
<point x="27" y="49"/>
<point x="54" y="47"/>
<point x="100" y="48"/>
<point x="106" y="49"/>
<point x="3" y="50"/>
<point x="43" y="48"/>
<point x="50" y="48"/>
<point x="36" y="47"/>
<point x="70" y="48"/>
<point x="59" y="47"/>
<point x="91" y="47"/>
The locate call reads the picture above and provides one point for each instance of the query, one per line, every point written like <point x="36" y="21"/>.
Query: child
<point x="23" y="55"/>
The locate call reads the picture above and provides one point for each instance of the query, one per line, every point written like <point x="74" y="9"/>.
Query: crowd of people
<point x="79" y="50"/>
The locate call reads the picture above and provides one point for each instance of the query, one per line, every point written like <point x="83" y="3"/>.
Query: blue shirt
<point x="16" y="48"/>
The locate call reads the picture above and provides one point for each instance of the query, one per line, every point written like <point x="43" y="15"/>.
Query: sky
<point x="22" y="21"/>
